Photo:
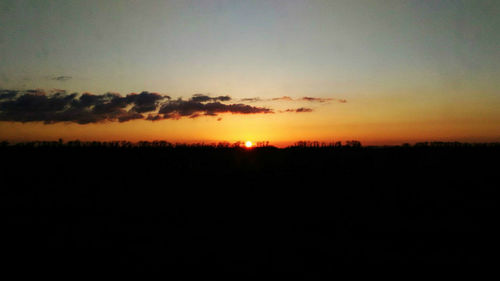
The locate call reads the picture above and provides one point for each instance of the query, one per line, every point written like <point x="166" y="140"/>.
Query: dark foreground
<point x="197" y="210"/>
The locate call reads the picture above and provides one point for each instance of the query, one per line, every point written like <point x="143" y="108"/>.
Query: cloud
<point x="322" y="100"/>
<point x="61" y="78"/>
<point x="205" y="98"/>
<point x="300" y="110"/>
<point x="145" y="101"/>
<point x="287" y="98"/>
<point x="193" y="109"/>
<point x="7" y="94"/>
<point x="36" y="105"/>
<point x="59" y="106"/>
<point x="312" y="99"/>
<point x="283" y="98"/>
<point x="251" y="99"/>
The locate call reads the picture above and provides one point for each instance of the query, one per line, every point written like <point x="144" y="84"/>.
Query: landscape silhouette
<point x="305" y="208"/>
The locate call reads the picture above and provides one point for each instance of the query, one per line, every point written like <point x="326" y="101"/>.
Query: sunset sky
<point x="382" y="72"/>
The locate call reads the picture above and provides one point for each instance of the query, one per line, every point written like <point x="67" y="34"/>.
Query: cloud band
<point x="38" y="106"/>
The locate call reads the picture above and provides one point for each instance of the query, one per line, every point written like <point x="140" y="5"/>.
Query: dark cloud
<point x="36" y="105"/>
<point x="251" y="99"/>
<point x="61" y="78"/>
<point x="145" y="101"/>
<point x="130" y="116"/>
<point x="205" y="98"/>
<point x="193" y="109"/>
<point x="299" y="110"/>
<point x="7" y="94"/>
<point x="154" y="117"/>
<point x="59" y="106"/>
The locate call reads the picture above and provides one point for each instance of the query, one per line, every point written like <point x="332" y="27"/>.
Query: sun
<point x="248" y="144"/>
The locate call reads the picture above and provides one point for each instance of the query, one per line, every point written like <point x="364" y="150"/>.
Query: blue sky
<point x="249" y="47"/>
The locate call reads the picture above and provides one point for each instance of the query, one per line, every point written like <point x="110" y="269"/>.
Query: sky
<point x="382" y="72"/>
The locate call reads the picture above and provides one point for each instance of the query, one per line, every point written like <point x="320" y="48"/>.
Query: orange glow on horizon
<point x="248" y="144"/>
<point x="372" y="122"/>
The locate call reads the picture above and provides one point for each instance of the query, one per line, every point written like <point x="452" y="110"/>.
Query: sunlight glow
<point x="248" y="144"/>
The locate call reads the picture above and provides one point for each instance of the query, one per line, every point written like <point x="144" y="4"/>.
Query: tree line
<point x="237" y="144"/>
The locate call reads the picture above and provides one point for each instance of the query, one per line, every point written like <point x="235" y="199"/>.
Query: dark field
<point x="194" y="210"/>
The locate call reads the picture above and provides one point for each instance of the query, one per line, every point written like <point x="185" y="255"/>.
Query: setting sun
<point x="248" y="144"/>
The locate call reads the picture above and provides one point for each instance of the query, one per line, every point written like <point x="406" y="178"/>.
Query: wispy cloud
<point x="251" y="99"/>
<point x="61" y="78"/>
<point x="283" y="98"/>
<point x="312" y="99"/>
<point x="299" y="110"/>
<point x="287" y="98"/>
<point x="321" y="100"/>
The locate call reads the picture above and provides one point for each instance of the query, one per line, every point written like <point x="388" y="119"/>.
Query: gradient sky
<point x="409" y="70"/>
